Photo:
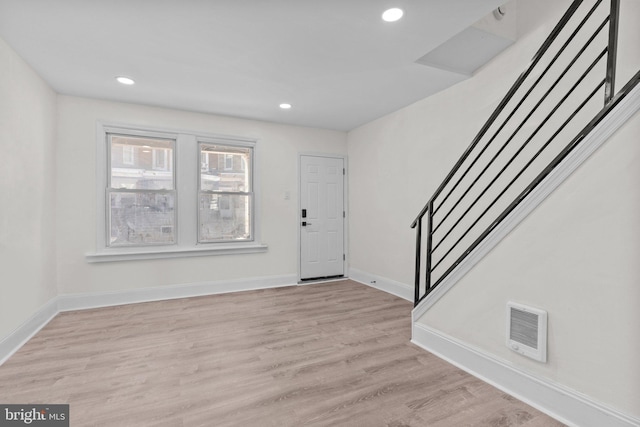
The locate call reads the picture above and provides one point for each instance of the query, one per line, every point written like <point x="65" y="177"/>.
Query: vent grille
<point x="527" y="331"/>
<point x="524" y="328"/>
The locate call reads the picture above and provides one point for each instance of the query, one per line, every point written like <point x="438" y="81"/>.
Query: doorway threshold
<point x="321" y="279"/>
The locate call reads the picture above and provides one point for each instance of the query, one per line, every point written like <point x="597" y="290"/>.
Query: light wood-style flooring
<point x="331" y="354"/>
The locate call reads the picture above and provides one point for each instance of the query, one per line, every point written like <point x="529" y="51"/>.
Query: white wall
<point x="398" y="161"/>
<point x="27" y="189"/>
<point x="49" y="214"/>
<point x="576" y="256"/>
<point x="279" y="146"/>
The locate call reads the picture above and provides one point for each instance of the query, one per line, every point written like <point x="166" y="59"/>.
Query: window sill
<point x="134" y="254"/>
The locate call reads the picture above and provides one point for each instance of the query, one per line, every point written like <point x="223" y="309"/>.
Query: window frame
<point x="111" y="190"/>
<point x="186" y="166"/>
<point x="251" y="194"/>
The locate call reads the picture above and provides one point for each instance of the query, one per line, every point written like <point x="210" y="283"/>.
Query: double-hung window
<point x="141" y="197"/>
<point x="174" y="194"/>
<point x="225" y="196"/>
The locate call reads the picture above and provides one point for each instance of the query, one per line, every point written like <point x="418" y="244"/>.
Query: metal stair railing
<point x="524" y="139"/>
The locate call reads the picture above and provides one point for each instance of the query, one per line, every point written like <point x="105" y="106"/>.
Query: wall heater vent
<point x="527" y="331"/>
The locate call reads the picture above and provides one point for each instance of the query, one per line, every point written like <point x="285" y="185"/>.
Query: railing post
<point x="612" y="52"/>
<point x="416" y="296"/>
<point x="429" y="240"/>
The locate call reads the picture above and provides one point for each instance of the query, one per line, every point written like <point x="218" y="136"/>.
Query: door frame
<point x="345" y="220"/>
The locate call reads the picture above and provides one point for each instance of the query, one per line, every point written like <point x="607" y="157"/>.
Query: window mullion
<point x="186" y="167"/>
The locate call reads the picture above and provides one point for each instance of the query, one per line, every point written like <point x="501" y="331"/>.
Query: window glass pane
<point x="225" y="168"/>
<point x="141" y="163"/>
<point x="141" y="218"/>
<point x="224" y="217"/>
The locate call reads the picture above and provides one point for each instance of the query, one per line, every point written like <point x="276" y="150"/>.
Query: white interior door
<point x="321" y="217"/>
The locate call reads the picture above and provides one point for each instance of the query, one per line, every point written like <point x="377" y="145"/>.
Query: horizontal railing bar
<point x="522" y="195"/>
<point x="545" y="46"/>
<point x="524" y="98"/>
<point x="535" y="132"/>
<point x="522" y="123"/>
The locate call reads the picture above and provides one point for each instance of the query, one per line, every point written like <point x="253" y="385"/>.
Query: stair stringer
<point x="616" y="118"/>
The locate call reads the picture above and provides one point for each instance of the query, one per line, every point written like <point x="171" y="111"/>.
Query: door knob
<point x="305" y="223"/>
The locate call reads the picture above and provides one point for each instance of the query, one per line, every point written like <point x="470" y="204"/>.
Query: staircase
<point x="560" y="109"/>
<point x="571" y="99"/>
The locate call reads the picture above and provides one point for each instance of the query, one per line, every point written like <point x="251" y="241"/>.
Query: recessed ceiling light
<point x="285" y="106"/>
<point x="392" y="15"/>
<point x="125" y="80"/>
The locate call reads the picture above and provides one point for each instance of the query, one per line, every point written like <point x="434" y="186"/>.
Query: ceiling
<point x="335" y="61"/>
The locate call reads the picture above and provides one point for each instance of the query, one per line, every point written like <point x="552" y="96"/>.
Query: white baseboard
<point x="390" y="286"/>
<point x="106" y="299"/>
<point x="559" y="402"/>
<point x="16" y="339"/>
<point x="12" y="343"/>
